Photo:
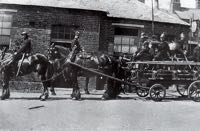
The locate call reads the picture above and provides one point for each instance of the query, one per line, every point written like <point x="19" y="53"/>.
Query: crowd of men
<point x="153" y="49"/>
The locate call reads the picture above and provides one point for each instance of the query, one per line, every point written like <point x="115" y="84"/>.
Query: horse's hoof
<point x="7" y="96"/>
<point x="103" y="98"/>
<point x="3" y="98"/>
<point x="87" y="92"/>
<point x="43" y="98"/>
<point x="40" y="96"/>
<point x="118" y="97"/>
<point x="53" y="93"/>
<point x="46" y="96"/>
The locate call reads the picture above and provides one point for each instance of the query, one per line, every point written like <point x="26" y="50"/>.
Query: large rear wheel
<point x="157" y="92"/>
<point x="182" y="90"/>
<point x="142" y="92"/>
<point x="194" y="91"/>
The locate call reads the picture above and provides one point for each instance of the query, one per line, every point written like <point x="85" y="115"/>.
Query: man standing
<point x="196" y="53"/>
<point x="75" y="48"/>
<point x="153" y="45"/>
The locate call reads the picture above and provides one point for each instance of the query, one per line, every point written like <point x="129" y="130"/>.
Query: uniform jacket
<point x="163" y="51"/>
<point x="196" y="54"/>
<point x="26" y="47"/>
<point x="76" y="43"/>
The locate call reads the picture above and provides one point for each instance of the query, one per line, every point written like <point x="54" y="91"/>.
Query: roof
<point x="73" y="4"/>
<point x="133" y="9"/>
<point x="189" y="14"/>
<point x="130" y="9"/>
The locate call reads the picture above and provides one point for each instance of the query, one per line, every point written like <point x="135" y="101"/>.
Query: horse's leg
<point x="5" y="90"/>
<point x="76" y="91"/>
<point x="45" y="93"/>
<point x="50" y="75"/>
<point x="86" y="85"/>
<point x="52" y="90"/>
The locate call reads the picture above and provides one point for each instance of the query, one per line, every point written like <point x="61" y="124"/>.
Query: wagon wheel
<point x="182" y="90"/>
<point x="194" y="91"/>
<point x="157" y="92"/>
<point x="142" y="92"/>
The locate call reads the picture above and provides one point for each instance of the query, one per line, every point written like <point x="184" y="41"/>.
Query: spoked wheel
<point x="157" y="92"/>
<point x="182" y="90"/>
<point x="194" y="91"/>
<point x="142" y="92"/>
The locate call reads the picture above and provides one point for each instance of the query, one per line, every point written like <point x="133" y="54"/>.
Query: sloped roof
<point x="191" y="13"/>
<point x="133" y="9"/>
<point x="130" y="9"/>
<point x="73" y="4"/>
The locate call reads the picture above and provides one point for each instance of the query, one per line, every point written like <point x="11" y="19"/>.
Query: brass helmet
<point x="144" y="35"/>
<point x="24" y="33"/>
<point x="77" y="33"/>
<point x="163" y="35"/>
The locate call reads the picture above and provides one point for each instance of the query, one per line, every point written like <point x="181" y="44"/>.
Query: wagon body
<point x="154" y="77"/>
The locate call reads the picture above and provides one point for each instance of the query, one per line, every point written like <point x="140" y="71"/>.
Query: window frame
<point x="5" y="28"/>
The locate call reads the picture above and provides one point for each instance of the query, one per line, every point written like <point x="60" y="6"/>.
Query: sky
<point x="165" y="4"/>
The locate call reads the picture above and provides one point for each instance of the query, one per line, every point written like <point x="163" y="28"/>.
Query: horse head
<point x="104" y="60"/>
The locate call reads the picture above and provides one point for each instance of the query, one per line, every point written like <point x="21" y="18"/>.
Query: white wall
<point x="165" y="4"/>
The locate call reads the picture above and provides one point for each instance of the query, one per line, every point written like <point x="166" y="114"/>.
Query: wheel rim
<point x="157" y="92"/>
<point x="182" y="90"/>
<point x="142" y="92"/>
<point x="194" y="91"/>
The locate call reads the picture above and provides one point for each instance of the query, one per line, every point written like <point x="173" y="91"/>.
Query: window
<point x="125" y="40"/>
<point x="5" y="29"/>
<point x="62" y="34"/>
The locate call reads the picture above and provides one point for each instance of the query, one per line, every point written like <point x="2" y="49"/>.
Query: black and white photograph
<point x="99" y="65"/>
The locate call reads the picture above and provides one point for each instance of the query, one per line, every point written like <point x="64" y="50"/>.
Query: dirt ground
<point x="24" y="112"/>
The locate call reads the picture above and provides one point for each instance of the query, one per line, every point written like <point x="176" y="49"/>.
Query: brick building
<point x="110" y="26"/>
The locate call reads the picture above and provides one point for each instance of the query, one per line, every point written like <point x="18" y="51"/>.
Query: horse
<point x="34" y="63"/>
<point x="57" y="53"/>
<point x="71" y="72"/>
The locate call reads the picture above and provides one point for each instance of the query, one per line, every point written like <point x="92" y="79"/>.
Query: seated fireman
<point x="153" y="45"/>
<point x="143" y="54"/>
<point x="163" y="49"/>
<point x="181" y="46"/>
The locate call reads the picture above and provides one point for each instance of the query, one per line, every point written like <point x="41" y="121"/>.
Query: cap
<point x="77" y="33"/>
<point x="145" y="43"/>
<point x="162" y="35"/>
<point x="24" y="33"/>
<point x="154" y="36"/>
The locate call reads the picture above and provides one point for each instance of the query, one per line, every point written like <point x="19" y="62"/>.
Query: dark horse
<point x="56" y="54"/>
<point x="107" y="65"/>
<point x="35" y="63"/>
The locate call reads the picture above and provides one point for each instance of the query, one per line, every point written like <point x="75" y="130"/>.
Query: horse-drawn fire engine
<point x="154" y="77"/>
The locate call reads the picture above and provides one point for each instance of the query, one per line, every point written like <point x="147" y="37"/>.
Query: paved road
<point x="131" y="113"/>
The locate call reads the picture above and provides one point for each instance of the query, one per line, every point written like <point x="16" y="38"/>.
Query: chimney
<point x="156" y="4"/>
<point x="197" y="4"/>
<point x="175" y="5"/>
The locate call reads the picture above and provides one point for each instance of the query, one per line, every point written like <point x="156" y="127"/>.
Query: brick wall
<point x="38" y="21"/>
<point x="171" y="29"/>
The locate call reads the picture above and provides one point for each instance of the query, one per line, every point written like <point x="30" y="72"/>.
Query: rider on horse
<point x="25" y="50"/>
